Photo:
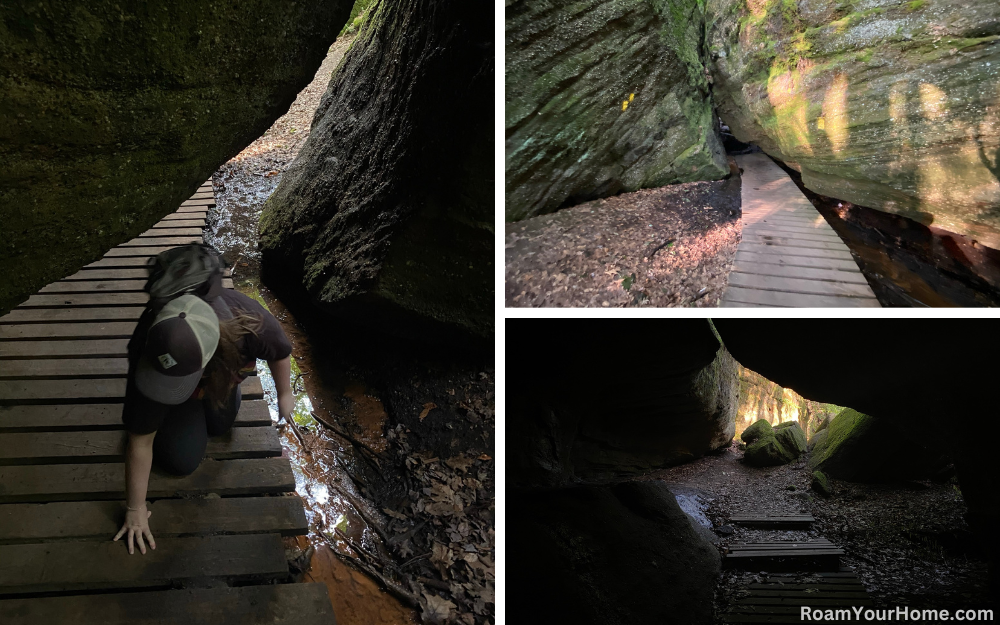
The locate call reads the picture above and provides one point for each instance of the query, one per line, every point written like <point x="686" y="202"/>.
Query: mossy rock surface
<point x="818" y="440"/>
<point x="386" y="216"/>
<point x="603" y="97"/>
<point x="861" y="448"/>
<point x="760" y="429"/>
<point x="769" y="452"/>
<point x="821" y="484"/>
<point x="887" y="104"/>
<point x="791" y="436"/>
<point x="111" y="114"/>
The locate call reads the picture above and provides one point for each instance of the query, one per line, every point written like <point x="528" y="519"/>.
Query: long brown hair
<point x="218" y="379"/>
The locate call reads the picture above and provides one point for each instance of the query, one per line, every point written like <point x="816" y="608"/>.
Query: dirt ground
<point x="671" y="246"/>
<point x="909" y="542"/>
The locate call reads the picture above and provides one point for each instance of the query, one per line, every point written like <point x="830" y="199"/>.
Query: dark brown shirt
<point x="142" y="415"/>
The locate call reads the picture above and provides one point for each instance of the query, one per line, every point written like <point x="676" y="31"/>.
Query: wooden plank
<point x="108" y="329"/>
<point x="776" y="258"/>
<point x="160" y="241"/>
<point x="779" y="552"/>
<point x="109" y="446"/>
<point x="195" y="205"/>
<point x="39" y="391"/>
<point x="195" y="215"/>
<point x="90" y="313"/>
<point x="144" y="252"/>
<point x="793" y="227"/>
<point x="103" y="348"/>
<point x="849" y="587"/>
<point x="271" y="604"/>
<point x="135" y="273"/>
<point x="804" y="600"/>
<point x="53" y="300"/>
<point x="173" y="232"/>
<point x="76" y="482"/>
<point x="119" y="261"/>
<point x="61" y="417"/>
<point x="93" y="286"/>
<point x="93" y="565"/>
<point x="99" y="520"/>
<point x="761" y="248"/>
<point x="105" y="286"/>
<point x="64" y="367"/>
<point x="796" y="285"/>
<point x="814" y="241"/>
<point x="180" y="223"/>
<point x="777" y="298"/>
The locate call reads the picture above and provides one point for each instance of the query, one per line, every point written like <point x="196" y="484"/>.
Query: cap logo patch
<point x="166" y="361"/>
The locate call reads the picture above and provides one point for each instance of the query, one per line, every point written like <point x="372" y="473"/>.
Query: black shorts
<point x="181" y="441"/>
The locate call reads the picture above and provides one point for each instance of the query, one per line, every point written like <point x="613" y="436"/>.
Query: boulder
<point x="769" y="452"/>
<point x="760" y="429"/>
<point x="112" y="114"/>
<point x="791" y="436"/>
<point x="386" y="216"/>
<point x="820" y="484"/>
<point x="861" y="448"/>
<point x="887" y="104"/>
<point x="602" y="97"/>
<point x="613" y="555"/>
<point x="761" y="398"/>
<point x="819" y="438"/>
<point x="598" y="401"/>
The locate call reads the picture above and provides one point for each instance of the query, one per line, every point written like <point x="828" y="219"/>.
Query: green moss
<point x="358" y="14"/>
<point x="760" y="429"/>
<point x="915" y="5"/>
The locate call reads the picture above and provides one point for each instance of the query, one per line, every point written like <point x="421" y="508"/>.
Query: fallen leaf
<point x="427" y="408"/>
<point x="485" y="457"/>
<point x="436" y="610"/>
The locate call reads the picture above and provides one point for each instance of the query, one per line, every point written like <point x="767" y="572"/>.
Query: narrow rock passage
<point x="789" y="256"/>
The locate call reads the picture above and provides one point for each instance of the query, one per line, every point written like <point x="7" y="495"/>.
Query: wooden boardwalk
<point x="789" y="255"/>
<point x="813" y="555"/>
<point x="220" y="557"/>
<point x="779" y="598"/>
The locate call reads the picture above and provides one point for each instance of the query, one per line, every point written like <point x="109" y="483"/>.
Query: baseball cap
<point x="179" y="344"/>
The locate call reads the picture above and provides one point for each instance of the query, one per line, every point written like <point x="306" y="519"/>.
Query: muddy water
<point x="322" y="461"/>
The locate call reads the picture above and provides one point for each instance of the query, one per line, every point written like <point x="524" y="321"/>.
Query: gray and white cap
<point x="179" y="345"/>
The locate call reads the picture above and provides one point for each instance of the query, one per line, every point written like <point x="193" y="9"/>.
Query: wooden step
<point x="78" y="482"/>
<point x="109" y="446"/>
<point x="818" y="554"/>
<point x="779" y="598"/>
<point x="94" y="565"/>
<point x="100" y="520"/>
<point x="98" y="389"/>
<point x="63" y="417"/>
<point x="281" y="604"/>
<point x="773" y="521"/>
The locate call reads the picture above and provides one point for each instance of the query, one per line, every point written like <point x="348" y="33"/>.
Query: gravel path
<point x="671" y="246"/>
<point x="909" y="543"/>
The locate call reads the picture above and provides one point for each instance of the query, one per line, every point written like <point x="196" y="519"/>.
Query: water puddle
<point x="323" y="463"/>
<point x="694" y="502"/>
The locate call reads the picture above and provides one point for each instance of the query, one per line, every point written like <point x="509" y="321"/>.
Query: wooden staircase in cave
<point x="779" y="598"/>
<point x="220" y="557"/>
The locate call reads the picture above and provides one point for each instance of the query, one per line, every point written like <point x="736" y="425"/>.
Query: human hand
<point x="137" y="526"/>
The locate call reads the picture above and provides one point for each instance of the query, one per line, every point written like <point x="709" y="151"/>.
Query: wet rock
<point x="608" y="555"/>
<point x="111" y="115"/>
<point x="386" y="215"/>
<point x="820" y="484"/>
<point x="603" y="97"/>
<point x="599" y="408"/>
<point x="791" y="436"/>
<point x="861" y="448"/>
<point x="760" y="429"/>
<point x="890" y="105"/>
